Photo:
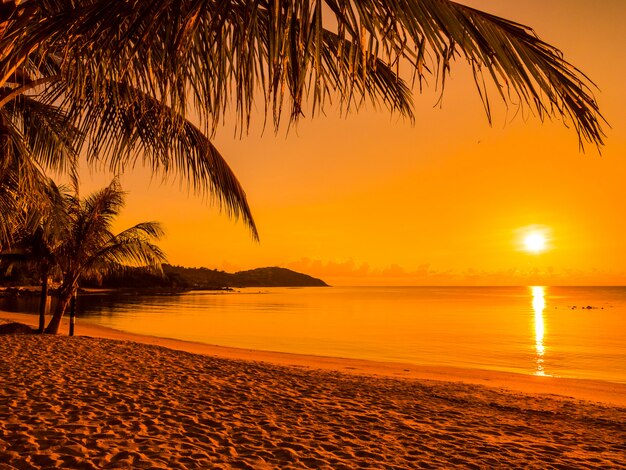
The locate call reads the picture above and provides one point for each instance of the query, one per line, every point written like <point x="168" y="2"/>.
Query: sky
<point x="371" y="199"/>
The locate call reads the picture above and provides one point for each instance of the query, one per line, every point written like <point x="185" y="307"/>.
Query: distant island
<point x="173" y="278"/>
<point x="179" y="277"/>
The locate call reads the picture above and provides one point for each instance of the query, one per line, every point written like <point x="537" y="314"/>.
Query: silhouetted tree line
<point x="179" y="277"/>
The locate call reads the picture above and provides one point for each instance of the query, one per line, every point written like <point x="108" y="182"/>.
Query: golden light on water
<point x="539" y="304"/>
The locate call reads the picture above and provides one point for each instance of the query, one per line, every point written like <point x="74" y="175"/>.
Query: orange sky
<point x="370" y="199"/>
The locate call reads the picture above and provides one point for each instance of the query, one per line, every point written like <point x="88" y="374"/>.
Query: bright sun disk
<point x="535" y="242"/>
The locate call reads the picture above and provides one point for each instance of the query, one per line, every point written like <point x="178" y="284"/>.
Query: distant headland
<point x="179" y="277"/>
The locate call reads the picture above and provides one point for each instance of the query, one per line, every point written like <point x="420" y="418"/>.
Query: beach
<point x="108" y="399"/>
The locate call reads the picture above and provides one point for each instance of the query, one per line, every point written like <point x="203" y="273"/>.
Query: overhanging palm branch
<point x="10" y="206"/>
<point x="37" y="138"/>
<point x="24" y="188"/>
<point x="47" y="219"/>
<point x="42" y="135"/>
<point x="121" y="124"/>
<point x="223" y="52"/>
<point x="125" y="126"/>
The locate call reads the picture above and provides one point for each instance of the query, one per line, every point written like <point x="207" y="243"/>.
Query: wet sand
<point x="113" y="400"/>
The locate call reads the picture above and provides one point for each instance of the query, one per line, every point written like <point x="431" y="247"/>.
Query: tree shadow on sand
<point x="15" y="328"/>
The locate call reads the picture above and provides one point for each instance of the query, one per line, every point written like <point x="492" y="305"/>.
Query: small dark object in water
<point x="15" y="328"/>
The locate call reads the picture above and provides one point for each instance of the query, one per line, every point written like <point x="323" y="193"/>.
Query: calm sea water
<point x="560" y="331"/>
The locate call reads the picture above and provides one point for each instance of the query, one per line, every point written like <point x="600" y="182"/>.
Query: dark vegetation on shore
<point x="182" y="278"/>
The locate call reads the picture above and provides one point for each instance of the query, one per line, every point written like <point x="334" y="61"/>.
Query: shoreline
<point x="111" y="400"/>
<point x="580" y="389"/>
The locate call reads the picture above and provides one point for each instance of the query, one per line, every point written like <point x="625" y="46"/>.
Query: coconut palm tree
<point x="90" y="249"/>
<point x="128" y="74"/>
<point x="43" y="231"/>
<point x="33" y="136"/>
<point x="34" y="223"/>
<point x="207" y="56"/>
<point x="44" y="126"/>
<point x="120" y="80"/>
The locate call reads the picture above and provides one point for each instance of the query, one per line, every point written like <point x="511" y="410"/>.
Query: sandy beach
<point x="108" y="399"/>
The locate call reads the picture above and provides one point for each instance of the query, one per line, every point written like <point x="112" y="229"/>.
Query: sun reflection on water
<point x="539" y="304"/>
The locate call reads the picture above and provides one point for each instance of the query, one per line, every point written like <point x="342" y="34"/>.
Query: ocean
<point x="575" y="332"/>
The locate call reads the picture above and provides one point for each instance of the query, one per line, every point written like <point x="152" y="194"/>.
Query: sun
<point x="535" y="242"/>
<point x="534" y="239"/>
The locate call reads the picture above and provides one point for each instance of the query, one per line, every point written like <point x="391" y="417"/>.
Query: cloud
<point x="351" y="273"/>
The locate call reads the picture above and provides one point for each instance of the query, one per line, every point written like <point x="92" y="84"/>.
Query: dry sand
<point x="94" y="402"/>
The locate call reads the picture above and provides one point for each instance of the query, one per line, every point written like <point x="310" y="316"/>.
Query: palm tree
<point x="36" y="136"/>
<point x="121" y="79"/>
<point x="35" y="227"/>
<point x="207" y="55"/>
<point x="90" y="249"/>
<point x="44" y="230"/>
<point x="44" y="126"/>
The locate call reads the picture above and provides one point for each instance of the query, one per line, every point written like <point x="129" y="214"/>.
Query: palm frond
<point x="90" y="248"/>
<point x="370" y="77"/>
<point x="149" y="230"/>
<point x="51" y="137"/>
<point x="19" y="167"/>
<point x="125" y="126"/>
<point x="132" y="247"/>
<point x="11" y="206"/>
<point x="227" y="51"/>
<point x="47" y="213"/>
<point x="93" y="218"/>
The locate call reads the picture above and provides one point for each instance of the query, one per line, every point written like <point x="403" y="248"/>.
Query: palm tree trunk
<point x="72" y="313"/>
<point x="65" y="295"/>
<point x="43" y="300"/>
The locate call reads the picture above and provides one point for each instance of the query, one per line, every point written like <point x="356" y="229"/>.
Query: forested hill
<point x="260" y="277"/>
<point x="204" y="278"/>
